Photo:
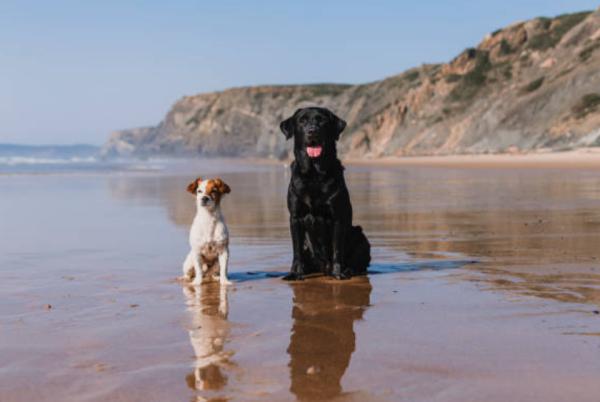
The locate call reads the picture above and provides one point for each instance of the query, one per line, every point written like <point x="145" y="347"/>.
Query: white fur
<point x="208" y="232"/>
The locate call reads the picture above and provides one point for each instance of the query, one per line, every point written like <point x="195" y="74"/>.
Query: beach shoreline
<point x="580" y="158"/>
<point x="587" y="158"/>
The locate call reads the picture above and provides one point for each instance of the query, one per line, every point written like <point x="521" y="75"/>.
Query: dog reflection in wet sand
<point x="323" y="338"/>
<point x="209" y="330"/>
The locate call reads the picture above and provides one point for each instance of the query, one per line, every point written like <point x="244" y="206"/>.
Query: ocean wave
<point x="31" y="160"/>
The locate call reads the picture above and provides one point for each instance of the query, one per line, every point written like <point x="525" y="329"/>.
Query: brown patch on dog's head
<point x="215" y="188"/>
<point x="193" y="186"/>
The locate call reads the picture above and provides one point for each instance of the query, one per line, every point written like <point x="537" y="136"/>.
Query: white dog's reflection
<point x="208" y="332"/>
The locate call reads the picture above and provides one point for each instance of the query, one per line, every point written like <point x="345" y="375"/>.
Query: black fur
<point x="323" y="237"/>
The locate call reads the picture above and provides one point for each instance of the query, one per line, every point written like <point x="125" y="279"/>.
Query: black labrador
<point x="323" y="237"/>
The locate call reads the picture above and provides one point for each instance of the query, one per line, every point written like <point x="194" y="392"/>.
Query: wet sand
<point x="582" y="158"/>
<point x="484" y="286"/>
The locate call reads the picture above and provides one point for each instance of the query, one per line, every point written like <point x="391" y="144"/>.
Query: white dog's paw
<point x="225" y="281"/>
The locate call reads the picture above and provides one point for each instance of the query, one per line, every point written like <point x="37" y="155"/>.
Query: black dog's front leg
<point x="339" y="270"/>
<point x="297" y="232"/>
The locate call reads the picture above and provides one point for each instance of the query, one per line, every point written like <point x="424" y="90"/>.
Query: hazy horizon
<point x="75" y="72"/>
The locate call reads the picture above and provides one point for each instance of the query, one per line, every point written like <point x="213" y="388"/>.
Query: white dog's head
<point x="208" y="192"/>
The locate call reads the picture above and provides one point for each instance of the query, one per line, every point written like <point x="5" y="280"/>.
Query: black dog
<point x="323" y="237"/>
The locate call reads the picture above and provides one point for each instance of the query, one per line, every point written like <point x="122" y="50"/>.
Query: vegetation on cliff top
<point x="553" y="29"/>
<point x="470" y="83"/>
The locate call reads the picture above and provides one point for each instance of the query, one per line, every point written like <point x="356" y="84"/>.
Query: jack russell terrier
<point x="209" y="238"/>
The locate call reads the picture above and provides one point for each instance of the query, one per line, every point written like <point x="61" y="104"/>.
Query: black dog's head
<point x="315" y="131"/>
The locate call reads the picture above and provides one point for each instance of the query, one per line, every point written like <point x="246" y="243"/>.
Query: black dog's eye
<point x="302" y="119"/>
<point x="318" y="119"/>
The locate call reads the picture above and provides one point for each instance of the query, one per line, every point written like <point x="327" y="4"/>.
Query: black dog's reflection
<point x="208" y="332"/>
<point x="323" y="339"/>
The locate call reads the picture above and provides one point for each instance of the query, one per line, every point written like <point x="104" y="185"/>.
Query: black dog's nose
<point x="205" y="199"/>
<point x="311" y="133"/>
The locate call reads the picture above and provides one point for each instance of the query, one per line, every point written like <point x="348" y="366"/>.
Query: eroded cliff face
<point x="534" y="85"/>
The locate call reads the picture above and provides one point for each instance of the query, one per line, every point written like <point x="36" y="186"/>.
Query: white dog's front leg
<point x="223" y="261"/>
<point x="197" y="269"/>
<point x="188" y="267"/>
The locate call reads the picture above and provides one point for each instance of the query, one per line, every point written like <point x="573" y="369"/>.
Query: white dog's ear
<point x="193" y="186"/>
<point x="287" y="126"/>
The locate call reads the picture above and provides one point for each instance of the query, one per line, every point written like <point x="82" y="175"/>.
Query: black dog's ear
<point x="287" y="126"/>
<point x="338" y="124"/>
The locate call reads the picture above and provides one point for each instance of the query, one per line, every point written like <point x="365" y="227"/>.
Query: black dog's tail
<point x="358" y="251"/>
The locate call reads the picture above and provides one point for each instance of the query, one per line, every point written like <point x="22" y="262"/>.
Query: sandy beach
<point x="576" y="158"/>
<point x="484" y="286"/>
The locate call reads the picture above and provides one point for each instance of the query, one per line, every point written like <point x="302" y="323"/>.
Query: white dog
<point x="209" y="238"/>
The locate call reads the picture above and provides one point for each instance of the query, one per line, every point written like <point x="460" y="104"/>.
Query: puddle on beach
<point x="484" y="286"/>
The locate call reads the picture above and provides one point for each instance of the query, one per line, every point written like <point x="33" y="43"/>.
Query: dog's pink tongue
<point x="314" y="152"/>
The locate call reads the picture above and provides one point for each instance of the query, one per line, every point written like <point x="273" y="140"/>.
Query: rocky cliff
<point x="534" y="85"/>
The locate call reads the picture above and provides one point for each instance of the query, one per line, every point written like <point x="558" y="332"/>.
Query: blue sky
<point x="72" y="71"/>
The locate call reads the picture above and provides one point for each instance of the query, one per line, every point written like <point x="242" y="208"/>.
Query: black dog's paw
<point x="293" y="276"/>
<point x="296" y="272"/>
<point x="340" y="273"/>
<point x="342" y="276"/>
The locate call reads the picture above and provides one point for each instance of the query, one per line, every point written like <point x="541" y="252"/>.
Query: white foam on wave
<point x="30" y="160"/>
